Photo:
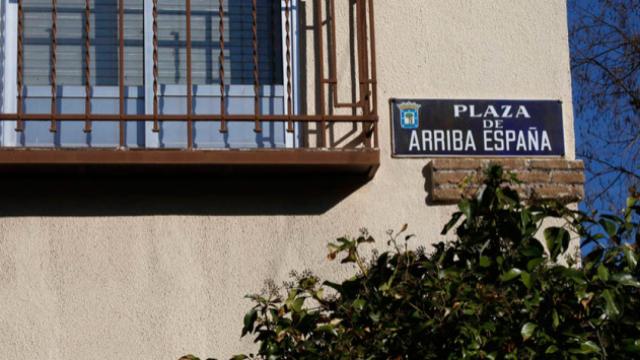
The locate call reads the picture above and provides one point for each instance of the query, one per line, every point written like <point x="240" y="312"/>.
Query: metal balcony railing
<point x="361" y="112"/>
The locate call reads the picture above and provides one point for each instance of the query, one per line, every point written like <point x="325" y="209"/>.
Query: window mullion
<point x="10" y="86"/>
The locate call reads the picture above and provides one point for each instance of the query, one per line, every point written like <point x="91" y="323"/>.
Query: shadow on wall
<point x="428" y="184"/>
<point x="172" y="193"/>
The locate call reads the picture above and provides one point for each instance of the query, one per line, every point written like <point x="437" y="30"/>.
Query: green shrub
<point x="493" y="292"/>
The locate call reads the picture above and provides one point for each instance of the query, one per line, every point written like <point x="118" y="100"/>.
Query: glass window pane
<point x="205" y="29"/>
<point x="70" y="38"/>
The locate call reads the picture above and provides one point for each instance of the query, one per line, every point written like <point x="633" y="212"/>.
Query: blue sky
<point x="587" y="131"/>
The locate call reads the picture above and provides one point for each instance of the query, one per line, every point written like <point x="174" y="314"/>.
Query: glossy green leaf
<point x="510" y="275"/>
<point x="574" y="275"/>
<point x="626" y="280"/>
<point x="533" y="263"/>
<point x="525" y="218"/>
<point x="603" y="273"/>
<point x="611" y="308"/>
<point x="327" y="328"/>
<point x="631" y="201"/>
<point x="609" y="226"/>
<point x="630" y="256"/>
<point x="527" y="330"/>
<point x="556" y="318"/>
<point x="552" y="349"/>
<point x="586" y="347"/>
<point x="632" y="346"/>
<point x="374" y="316"/>
<point x="297" y="304"/>
<point x="557" y="239"/>
<point x="525" y="277"/>
<point x="533" y="250"/>
<point x="485" y="261"/>
<point x="466" y="208"/>
<point x="454" y="220"/>
<point x="359" y="304"/>
<point x="249" y="319"/>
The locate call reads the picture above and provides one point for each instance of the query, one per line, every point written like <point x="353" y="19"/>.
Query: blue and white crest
<point x="409" y="115"/>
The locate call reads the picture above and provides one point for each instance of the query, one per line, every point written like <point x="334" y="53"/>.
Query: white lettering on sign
<point x="492" y="140"/>
<point x="546" y="143"/>
<point x="518" y="140"/>
<point x="459" y="109"/>
<point x="442" y="140"/>
<point x="491" y="111"/>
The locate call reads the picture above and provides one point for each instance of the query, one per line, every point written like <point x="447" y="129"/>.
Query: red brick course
<point x="541" y="178"/>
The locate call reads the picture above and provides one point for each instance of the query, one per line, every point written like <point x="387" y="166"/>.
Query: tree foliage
<point x="605" y="62"/>
<point x="503" y="288"/>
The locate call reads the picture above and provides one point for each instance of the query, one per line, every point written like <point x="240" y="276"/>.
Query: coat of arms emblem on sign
<point x="409" y="115"/>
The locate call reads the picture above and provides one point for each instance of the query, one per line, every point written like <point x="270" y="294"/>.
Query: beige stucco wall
<point x="157" y="286"/>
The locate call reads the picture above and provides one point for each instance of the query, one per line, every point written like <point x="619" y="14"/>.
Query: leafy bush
<point x="494" y="292"/>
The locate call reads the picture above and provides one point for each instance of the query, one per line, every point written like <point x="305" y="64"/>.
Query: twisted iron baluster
<point x="156" y="125"/>
<point x="20" y="122"/>
<point x="290" y="127"/>
<point x="256" y="70"/>
<point x="54" y="60"/>
<point x="87" y="68"/>
<point x="223" y="110"/>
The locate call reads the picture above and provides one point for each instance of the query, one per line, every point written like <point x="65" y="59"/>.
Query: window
<point x="111" y="82"/>
<point x="73" y="48"/>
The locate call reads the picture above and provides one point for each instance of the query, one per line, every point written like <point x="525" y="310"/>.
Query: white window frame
<point x="10" y="70"/>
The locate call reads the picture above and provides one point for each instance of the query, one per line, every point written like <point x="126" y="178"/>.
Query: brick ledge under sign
<point x="542" y="178"/>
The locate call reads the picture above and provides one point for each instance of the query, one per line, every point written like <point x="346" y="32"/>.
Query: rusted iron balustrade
<point x="364" y="107"/>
